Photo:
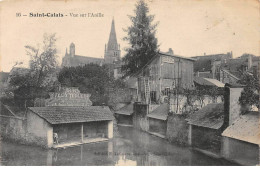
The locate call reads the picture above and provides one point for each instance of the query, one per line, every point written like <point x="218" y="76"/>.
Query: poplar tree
<point x="141" y="39"/>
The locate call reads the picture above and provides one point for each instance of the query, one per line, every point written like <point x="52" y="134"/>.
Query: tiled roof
<point x="181" y="57"/>
<point x="78" y="60"/>
<point x="226" y="71"/>
<point x="156" y="56"/>
<point x="204" y="63"/>
<point x="160" y="112"/>
<point x="86" y="60"/>
<point x="126" y="110"/>
<point x="208" y="82"/>
<point x="210" y="116"/>
<point x="64" y="114"/>
<point x="245" y="128"/>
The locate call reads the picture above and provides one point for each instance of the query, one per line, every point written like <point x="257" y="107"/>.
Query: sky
<point x="189" y="27"/>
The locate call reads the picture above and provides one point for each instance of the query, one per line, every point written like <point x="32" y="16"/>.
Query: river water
<point x="131" y="147"/>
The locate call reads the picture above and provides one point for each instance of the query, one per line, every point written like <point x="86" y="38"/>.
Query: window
<point x="153" y="96"/>
<point x="167" y="91"/>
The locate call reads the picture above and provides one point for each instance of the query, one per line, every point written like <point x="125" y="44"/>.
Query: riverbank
<point x="131" y="147"/>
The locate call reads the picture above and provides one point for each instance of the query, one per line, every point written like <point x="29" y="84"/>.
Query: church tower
<point x="72" y="50"/>
<point x="112" y="49"/>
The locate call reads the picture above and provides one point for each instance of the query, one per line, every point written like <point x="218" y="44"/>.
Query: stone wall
<point x="13" y="128"/>
<point x="177" y="129"/>
<point x="197" y="103"/>
<point x="140" y="119"/>
<point x="206" y="139"/>
<point x="240" y="152"/>
<point x="31" y="130"/>
<point x="124" y="119"/>
<point x="39" y="132"/>
<point x="157" y="126"/>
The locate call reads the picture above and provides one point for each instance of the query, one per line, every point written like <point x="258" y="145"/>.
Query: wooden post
<point x="110" y="129"/>
<point x="82" y="134"/>
<point x="190" y="135"/>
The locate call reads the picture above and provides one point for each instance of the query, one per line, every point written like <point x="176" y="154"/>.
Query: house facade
<point x="161" y="74"/>
<point x="155" y="82"/>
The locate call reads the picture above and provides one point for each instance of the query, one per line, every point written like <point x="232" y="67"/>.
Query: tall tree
<point x="141" y="38"/>
<point x="43" y="65"/>
<point x="43" y="61"/>
<point x="41" y="75"/>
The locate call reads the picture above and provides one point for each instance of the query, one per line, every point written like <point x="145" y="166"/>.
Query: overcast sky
<point x="189" y="27"/>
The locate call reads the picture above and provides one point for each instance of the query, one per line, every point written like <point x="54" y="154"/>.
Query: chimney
<point x="103" y="105"/>
<point x="170" y="51"/>
<point x="249" y="61"/>
<point x="232" y="108"/>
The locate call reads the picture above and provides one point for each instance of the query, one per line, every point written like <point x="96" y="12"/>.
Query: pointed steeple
<point x="112" y="49"/>
<point x="112" y="42"/>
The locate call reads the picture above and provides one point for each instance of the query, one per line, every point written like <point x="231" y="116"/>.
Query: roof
<point x="210" y="116"/>
<point x="156" y="56"/>
<point x="161" y="112"/>
<point x="203" y="63"/>
<point x="226" y="71"/>
<point x="168" y="54"/>
<point x="245" y="128"/>
<point x="126" y="110"/>
<point x="65" y="114"/>
<point x="208" y="82"/>
<point x="112" y="37"/>
<point x="78" y="60"/>
<point x="87" y="59"/>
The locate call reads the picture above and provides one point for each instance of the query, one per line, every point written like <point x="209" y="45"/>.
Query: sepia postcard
<point x="129" y="83"/>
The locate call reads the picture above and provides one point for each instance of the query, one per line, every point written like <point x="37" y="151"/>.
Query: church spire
<point x="112" y="49"/>
<point x="112" y="42"/>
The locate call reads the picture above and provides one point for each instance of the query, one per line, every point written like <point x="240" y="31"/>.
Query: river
<point x="131" y="147"/>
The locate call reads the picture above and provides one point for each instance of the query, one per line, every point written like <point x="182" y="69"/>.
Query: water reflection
<point x="132" y="147"/>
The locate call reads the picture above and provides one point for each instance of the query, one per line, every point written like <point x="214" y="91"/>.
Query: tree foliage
<point x="41" y="75"/>
<point x="43" y="65"/>
<point x="141" y="38"/>
<point x="92" y="79"/>
<point x="250" y="93"/>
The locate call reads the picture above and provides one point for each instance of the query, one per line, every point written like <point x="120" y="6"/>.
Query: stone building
<point x="112" y="54"/>
<point x="203" y="64"/>
<point x="158" y="120"/>
<point x="224" y="67"/>
<point x="74" y="125"/>
<point x="205" y="128"/>
<point x="161" y="74"/>
<point x="68" y="113"/>
<point x="241" y="137"/>
<point x="232" y="70"/>
<point x="72" y="60"/>
<point x="155" y="81"/>
<point x="241" y="140"/>
<point x="124" y="115"/>
<point x="112" y="48"/>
